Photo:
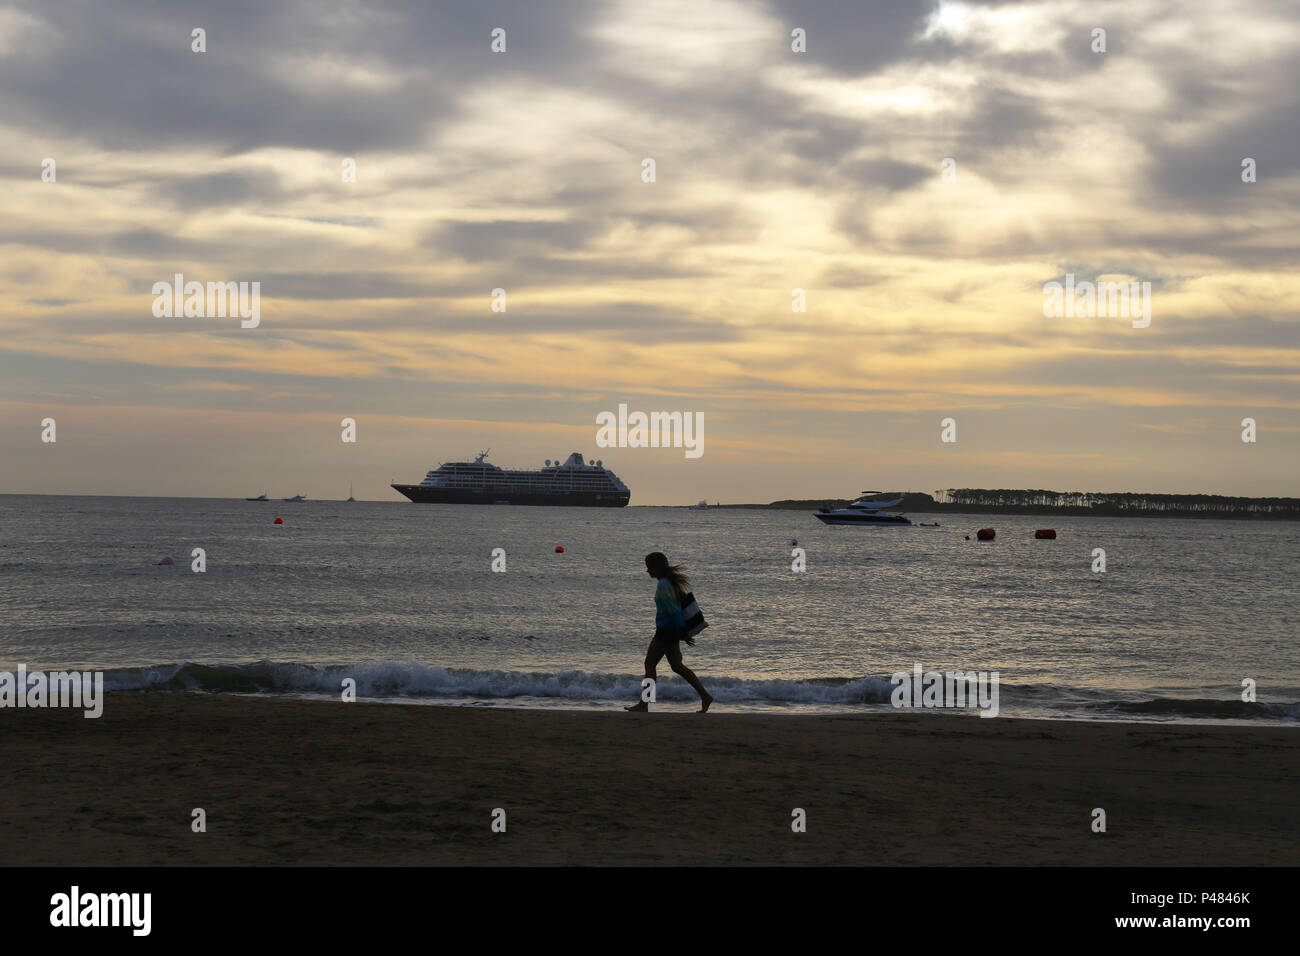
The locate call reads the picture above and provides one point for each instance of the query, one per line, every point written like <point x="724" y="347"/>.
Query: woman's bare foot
<point x="705" y="701"/>
<point x="639" y="707"/>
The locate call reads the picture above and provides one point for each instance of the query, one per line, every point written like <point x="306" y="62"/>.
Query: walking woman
<point x="669" y="627"/>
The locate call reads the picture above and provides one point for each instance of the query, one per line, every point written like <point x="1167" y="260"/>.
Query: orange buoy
<point x="279" y="521"/>
<point x="985" y="534"/>
<point x="1048" y="533"/>
<point x="559" y="549"/>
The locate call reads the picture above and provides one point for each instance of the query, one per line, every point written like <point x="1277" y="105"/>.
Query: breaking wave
<point x="421" y="682"/>
<point x="394" y="679"/>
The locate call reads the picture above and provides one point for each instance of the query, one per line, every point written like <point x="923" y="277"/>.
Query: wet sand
<point x="322" y="782"/>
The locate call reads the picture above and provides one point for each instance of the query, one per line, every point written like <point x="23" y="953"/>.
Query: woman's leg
<point x="679" y="667"/>
<point x="653" y="655"/>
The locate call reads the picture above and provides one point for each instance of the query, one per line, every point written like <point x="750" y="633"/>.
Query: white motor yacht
<point x="863" y="511"/>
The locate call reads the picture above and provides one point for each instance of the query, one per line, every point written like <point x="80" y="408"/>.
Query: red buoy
<point x="1048" y="533"/>
<point x="559" y="549"/>
<point x="279" y="521"/>
<point x="985" y="534"/>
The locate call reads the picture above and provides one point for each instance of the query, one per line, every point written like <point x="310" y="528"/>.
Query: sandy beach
<point x="319" y="782"/>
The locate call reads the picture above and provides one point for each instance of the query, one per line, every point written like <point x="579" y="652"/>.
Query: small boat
<point x="863" y="511"/>
<point x="258" y="498"/>
<point x="350" y="498"/>
<point x="297" y="498"/>
<point x="703" y="505"/>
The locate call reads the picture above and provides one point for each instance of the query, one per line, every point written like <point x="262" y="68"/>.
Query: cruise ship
<point x="476" y="482"/>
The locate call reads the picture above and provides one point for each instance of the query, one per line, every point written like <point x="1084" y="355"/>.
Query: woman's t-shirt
<point x="668" y="610"/>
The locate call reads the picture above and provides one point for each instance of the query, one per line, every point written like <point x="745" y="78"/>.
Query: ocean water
<point x="402" y="598"/>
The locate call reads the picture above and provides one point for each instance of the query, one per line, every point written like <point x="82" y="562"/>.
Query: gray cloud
<point x="229" y="189"/>
<point x="94" y="72"/>
<point x="859" y="38"/>
<point x="500" y="239"/>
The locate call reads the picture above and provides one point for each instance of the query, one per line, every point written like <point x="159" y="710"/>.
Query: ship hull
<point x="424" y="494"/>
<point x="877" y="520"/>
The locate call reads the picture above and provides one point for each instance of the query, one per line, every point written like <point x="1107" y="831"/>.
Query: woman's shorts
<point x="669" y="637"/>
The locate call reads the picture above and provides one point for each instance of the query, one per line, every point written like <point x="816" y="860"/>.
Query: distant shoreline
<point x="912" y="503"/>
<point x="1008" y="510"/>
<point x="1041" y="503"/>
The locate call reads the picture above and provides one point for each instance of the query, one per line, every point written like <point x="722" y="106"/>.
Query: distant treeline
<point x="1108" y="504"/>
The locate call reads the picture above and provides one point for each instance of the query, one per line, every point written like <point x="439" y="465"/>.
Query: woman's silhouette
<point x="669" y="627"/>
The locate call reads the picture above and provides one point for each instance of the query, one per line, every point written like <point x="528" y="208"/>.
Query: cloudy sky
<point x="775" y="170"/>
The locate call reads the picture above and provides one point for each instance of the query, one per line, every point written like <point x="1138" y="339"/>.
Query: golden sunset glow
<point x="775" y="171"/>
